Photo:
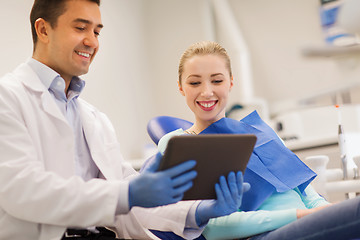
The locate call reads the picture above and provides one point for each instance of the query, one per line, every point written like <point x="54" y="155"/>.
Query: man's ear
<point x="42" y="28"/>
<point x="180" y="88"/>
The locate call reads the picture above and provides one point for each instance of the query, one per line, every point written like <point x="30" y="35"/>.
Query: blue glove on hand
<point x="152" y="189"/>
<point x="229" y="196"/>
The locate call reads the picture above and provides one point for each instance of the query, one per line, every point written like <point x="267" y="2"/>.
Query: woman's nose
<point x="207" y="91"/>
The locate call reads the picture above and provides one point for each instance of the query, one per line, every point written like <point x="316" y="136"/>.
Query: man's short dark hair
<point x="49" y="10"/>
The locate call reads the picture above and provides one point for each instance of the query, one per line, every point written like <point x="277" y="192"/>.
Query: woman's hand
<point x="303" y="212"/>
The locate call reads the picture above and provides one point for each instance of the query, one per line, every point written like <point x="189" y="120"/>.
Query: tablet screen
<point x="215" y="154"/>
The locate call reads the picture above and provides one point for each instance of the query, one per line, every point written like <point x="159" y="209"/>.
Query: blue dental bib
<point x="272" y="166"/>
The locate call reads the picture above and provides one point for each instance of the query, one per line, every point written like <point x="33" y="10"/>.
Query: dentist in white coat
<point x="61" y="170"/>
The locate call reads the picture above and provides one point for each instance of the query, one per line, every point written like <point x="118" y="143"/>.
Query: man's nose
<point x="91" y="40"/>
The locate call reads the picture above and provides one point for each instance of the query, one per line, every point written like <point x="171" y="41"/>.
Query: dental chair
<point x="161" y="125"/>
<point x="158" y="126"/>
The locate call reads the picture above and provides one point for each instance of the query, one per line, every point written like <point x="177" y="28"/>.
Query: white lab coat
<point x="39" y="193"/>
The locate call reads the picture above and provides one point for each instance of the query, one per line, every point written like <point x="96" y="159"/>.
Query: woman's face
<point x="206" y="84"/>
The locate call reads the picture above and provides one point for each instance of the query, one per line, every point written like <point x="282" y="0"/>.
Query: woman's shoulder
<point x="165" y="139"/>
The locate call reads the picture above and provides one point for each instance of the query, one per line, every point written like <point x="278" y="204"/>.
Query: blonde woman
<point x="280" y="200"/>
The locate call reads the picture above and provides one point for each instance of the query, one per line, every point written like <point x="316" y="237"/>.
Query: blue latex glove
<point x="229" y="196"/>
<point x="152" y="189"/>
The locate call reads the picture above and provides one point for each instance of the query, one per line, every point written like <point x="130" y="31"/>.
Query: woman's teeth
<point x="207" y="105"/>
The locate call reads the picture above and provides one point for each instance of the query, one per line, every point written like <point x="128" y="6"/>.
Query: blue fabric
<point x="171" y="236"/>
<point x="272" y="166"/>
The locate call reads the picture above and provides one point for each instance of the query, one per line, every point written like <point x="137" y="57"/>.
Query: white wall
<point x="118" y="82"/>
<point x="171" y="26"/>
<point x="133" y="78"/>
<point x="16" y="41"/>
<point x="277" y="31"/>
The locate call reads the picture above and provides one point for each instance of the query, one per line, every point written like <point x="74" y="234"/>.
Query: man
<point x="61" y="170"/>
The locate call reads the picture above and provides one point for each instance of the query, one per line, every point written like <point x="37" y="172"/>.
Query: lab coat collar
<point x="101" y="151"/>
<point x="31" y="81"/>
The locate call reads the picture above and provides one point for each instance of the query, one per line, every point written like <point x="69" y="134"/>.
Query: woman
<point x="281" y="199"/>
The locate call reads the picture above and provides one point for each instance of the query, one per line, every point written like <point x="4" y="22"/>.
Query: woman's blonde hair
<point x="203" y="48"/>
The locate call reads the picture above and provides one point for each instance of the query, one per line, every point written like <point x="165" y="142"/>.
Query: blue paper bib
<point x="272" y="166"/>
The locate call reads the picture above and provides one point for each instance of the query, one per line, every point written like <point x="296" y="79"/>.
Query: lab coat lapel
<point x="51" y="108"/>
<point x="32" y="82"/>
<point x="88" y="122"/>
<point x="48" y="113"/>
<point x="100" y="151"/>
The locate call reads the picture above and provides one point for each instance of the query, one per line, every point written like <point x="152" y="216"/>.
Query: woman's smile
<point x="207" y="105"/>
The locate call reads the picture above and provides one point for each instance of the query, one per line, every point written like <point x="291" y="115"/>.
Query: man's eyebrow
<point x="87" y="22"/>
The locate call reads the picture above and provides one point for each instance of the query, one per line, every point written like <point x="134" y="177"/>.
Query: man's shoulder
<point x="12" y="82"/>
<point x="90" y="112"/>
<point x="87" y="106"/>
<point x="13" y="92"/>
<point x="15" y="77"/>
<point x="9" y="79"/>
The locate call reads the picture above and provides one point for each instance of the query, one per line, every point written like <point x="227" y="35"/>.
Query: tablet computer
<point x="215" y="154"/>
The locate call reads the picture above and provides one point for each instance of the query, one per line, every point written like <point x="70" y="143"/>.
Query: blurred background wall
<point x="133" y="77"/>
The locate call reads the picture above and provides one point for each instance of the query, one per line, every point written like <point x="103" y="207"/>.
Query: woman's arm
<point x="165" y="139"/>
<point x="312" y="200"/>
<point x="303" y="212"/>
<point x="244" y="224"/>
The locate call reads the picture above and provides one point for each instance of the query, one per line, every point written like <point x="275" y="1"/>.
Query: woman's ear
<point x="180" y="88"/>
<point x="41" y="27"/>
<point x="231" y="83"/>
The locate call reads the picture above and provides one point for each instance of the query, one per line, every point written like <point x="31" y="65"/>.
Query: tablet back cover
<point x="216" y="155"/>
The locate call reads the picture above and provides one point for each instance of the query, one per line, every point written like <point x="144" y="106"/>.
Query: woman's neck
<point x="199" y="126"/>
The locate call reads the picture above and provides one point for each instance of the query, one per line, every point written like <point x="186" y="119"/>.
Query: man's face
<point x="73" y="42"/>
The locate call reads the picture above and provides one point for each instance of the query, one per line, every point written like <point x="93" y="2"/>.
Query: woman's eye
<point x="217" y="81"/>
<point x="80" y="28"/>
<point x="194" y="83"/>
<point x="97" y="34"/>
